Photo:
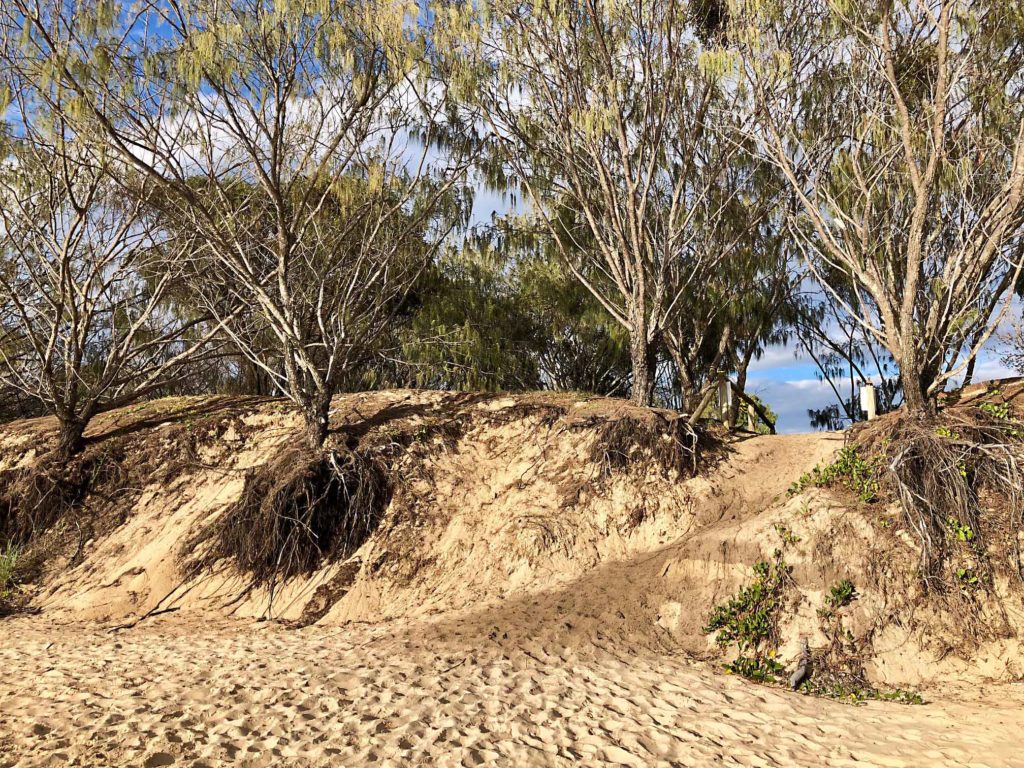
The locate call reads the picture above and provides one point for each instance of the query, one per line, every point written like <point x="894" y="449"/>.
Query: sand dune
<point x="515" y="607"/>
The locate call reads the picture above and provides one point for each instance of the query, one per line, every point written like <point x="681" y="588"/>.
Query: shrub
<point x="850" y="470"/>
<point x="750" y="621"/>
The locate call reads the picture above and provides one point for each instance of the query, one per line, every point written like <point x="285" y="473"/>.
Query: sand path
<point x="195" y="691"/>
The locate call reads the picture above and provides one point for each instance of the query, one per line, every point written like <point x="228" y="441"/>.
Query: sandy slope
<point x="191" y="691"/>
<point x="490" y="623"/>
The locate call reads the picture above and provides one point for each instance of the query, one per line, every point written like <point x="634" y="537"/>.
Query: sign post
<point x="723" y="397"/>
<point x="868" y="401"/>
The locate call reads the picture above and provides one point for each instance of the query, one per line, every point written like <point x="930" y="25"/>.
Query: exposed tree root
<point x="959" y="483"/>
<point x="671" y="444"/>
<point x="296" y="512"/>
<point x="34" y="498"/>
<point x="51" y="508"/>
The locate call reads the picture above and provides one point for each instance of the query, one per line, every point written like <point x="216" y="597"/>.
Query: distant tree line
<point x="263" y="197"/>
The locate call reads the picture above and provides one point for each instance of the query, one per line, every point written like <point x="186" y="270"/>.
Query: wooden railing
<point x="755" y="411"/>
<point x="753" y="407"/>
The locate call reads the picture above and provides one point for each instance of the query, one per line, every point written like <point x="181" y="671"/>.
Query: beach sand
<point x="196" y="690"/>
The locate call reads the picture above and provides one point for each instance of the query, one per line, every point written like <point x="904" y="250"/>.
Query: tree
<point x="501" y="314"/>
<point x="744" y="303"/>
<point x="297" y="141"/>
<point x="610" y="117"/>
<point x="579" y="346"/>
<point x="332" y="278"/>
<point x="900" y="128"/>
<point x="83" y="281"/>
<point x="467" y="328"/>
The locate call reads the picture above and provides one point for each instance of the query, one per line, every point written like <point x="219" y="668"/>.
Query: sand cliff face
<point x="506" y="523"/>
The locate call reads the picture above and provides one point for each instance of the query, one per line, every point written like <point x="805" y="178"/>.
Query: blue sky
<point x="789" y="385"/>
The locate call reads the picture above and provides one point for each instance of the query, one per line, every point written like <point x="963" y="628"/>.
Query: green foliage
<point x="967" y="578"/>
<point x="488" y="319"/>
<point x="854" y="691"/>
<point x="959" y="531"/>
<point x="759" y="426"/>
<point x="749" y="620"/>
<point x="999" y="411"/>
<point x="851" y="470"/>
<point x="786" y="533"/>
<point x="578" y="344"/>
<point x="468" y="330"/>
<point x="760" y="670"/>
<point x="806" y="481"/>
<point x="8" y="566"/>
<point x="897" y="695"/>
<point x="841" y="595"/>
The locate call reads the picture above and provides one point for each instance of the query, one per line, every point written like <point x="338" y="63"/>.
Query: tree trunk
<point x="915" y="381"/>
<point x="689" y="393"/>
<point x="315" y="416"/>
<point x="70" y="439"/>
<point x="641" y="354"/>
<point x="915" y="397"/>
<point x="741" y="386"/>
<point x="969" y="373"/>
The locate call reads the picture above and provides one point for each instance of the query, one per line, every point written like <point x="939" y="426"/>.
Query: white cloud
<point x="791" y="399"/>
<point x="777" y="356"/>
